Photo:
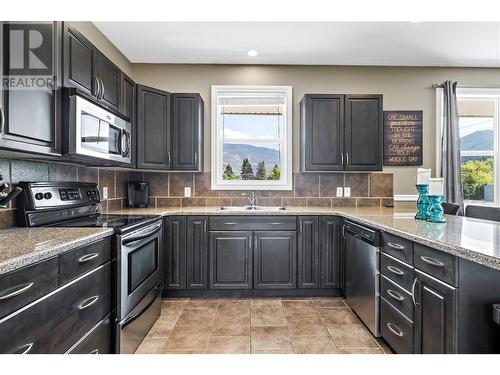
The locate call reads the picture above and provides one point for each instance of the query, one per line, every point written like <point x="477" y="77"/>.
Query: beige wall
<point x="403" y="88"/>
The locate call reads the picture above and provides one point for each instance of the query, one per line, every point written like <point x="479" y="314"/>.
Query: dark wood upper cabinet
<point x="196" y="252"/>
<point x="174" y="267"/>
<point x="21" y="109"/>
<point x="363" y="132"/>
<point x="127" y="102"/>
<point x="322" y="132"/>
<point x="110" y="79"/>
<point x="308" y="262"/>
<point x="341" y="132"/>
<point x="153" y="128"/>
<point x="329" y="252"/>
<point x="187" y="132"/>
<point x="79" y="61"/>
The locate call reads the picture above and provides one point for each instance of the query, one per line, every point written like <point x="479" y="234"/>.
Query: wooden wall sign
<point x="403" y="138"/>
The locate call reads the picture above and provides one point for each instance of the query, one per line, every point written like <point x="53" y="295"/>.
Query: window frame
<point x="474" y="93"/>
<point x="285" y="141"/>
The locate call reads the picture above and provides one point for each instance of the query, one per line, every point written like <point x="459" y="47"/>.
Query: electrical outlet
<point x="187" y="192"/>
<point x="105" y="192"/>
<point x="340" y="191"/>
<point x="347" y="191"/>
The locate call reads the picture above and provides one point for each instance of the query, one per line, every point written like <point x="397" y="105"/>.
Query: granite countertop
<point x="24" y="246"/>
<point x="472" y="239"/>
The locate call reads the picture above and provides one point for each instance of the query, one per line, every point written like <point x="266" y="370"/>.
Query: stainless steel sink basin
<point x="250" y="208"/>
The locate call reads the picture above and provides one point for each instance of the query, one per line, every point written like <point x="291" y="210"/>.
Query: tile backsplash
<point x="167" y="189"/>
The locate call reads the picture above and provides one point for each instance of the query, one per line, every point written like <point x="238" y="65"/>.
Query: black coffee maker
<point x="138" y="194"/>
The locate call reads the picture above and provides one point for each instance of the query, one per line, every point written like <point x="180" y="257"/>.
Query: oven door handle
<point x="141" y="237"/>
<point x="133" y="317"/>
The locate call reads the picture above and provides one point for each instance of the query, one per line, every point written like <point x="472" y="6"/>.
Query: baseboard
<point x="240" y="293"/>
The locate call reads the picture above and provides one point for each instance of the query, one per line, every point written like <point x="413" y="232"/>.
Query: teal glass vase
<point x="423" y="202"/>
<point x="436" y="210"/>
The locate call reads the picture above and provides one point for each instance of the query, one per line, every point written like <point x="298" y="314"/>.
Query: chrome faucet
<point x="251" y="199"/>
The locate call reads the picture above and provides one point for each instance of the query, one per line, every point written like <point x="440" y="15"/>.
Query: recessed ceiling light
<point x="252" y="53"/>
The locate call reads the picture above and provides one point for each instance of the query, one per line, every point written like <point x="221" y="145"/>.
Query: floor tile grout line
<point x="369" y="332"/>
<point x="289" y="331"/>
<point x="212" y="326"/>
<point x="327" y="330"/>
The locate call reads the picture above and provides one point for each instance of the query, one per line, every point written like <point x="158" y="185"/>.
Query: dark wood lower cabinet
<point x="274" y="263"/>
<point x="329" y="257"/>
<point x="308" y="252"/>
<point x="196" y="252"/>
<point x="435" y="316"/>
<point x="175" y="252"/>
<point x="231" y="260"/>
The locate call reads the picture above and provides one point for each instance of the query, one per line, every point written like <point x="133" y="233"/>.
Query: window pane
<point x="476" y="124"/>
<point x="243" y="126"/>
<point x="246" y="161"/>
<point x="478" y="178"/>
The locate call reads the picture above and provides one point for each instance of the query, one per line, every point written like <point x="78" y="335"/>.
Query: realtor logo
<point x="30" y="60"/>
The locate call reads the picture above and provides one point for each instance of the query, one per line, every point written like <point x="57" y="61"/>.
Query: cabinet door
<point x="153" y="128"/>
<point x="22" y="109"/>
<point x="127" y="102"/>
<point x="274" y="260"/>
<point x="308" y="252"/>
<point x="329" y="252"/>
<point x="175" y="253"/>
<point x="196" y="252"/>
<point x="231" y="260"/>
<point x="322" y="132"/>
<point x="435" y="316"/>
<point x="363" y="132"/>
<point x="110" y="77"/>
<point x="187" y="132"/>
<point x="80" y="56"/>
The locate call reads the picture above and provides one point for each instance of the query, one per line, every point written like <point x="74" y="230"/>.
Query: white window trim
<point x="471" y="93"/>
<point x="286" y="144"/>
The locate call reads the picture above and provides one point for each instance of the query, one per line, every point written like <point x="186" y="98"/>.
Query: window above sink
<point x="251" y="137"/>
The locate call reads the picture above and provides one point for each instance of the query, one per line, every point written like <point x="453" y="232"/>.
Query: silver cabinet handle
<point x="347" y="158"/>
<point x="26" y="348"/>
<point x="413" y="291"/>
<point x="102" y="88"/>
<point x="432" y="261"/>
<point x="88" y="257"/>
<point x="168" y="157"/>
<point x="2" y="120"/>
<point x="343" y="231"/>
<point x="195" y="157"/>
<point x="394" y="329"/>
<point x="97" y="87"/>
<point x="230" y="223"/>
<point x="95" y="351"/>
<point x="395" y="245"/>
<point x="395" y="270"/>
<point x="395" y="295"/>
<point x="88" y="302"/>
<point x="19" y="290"/>
<point x="275" y="223"/>
<point x="342" y="159"/>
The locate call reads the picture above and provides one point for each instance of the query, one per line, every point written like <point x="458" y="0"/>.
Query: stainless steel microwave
<point x="96" y="134"/>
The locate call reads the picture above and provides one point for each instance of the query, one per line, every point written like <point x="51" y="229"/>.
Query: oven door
<point x="139" y="265"/>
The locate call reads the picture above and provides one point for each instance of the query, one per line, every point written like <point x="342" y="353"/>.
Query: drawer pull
<point x="95" y="351"/>
<point x="395" y="270"/>
<point x="20" y="290"/>
<point x="395" y="245"/>
<point x="88" y="257"/>
<point x="432" y="261"/>
<point x="395" y="295"/>
<point x="230" y="223"/>
<point x="275" y="223"/>
<point x="88" y="302"/>
<point x="26" y="348"/>
<point x="394" y="329"/>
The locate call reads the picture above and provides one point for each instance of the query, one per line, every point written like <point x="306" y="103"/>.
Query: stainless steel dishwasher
<point x="362" y="255"/>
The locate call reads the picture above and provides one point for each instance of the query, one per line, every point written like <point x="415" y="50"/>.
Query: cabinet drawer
<point x="397" y="296"/>
<point x="96" y="341"/>
<point x="253" y="223"/>
<point x="438" y="264"/>
<point x="396" y="271"/>
<point x="397" y="247"/>
<point x="396" y="329"/>
<point x="55" y="322"/>
<point x="21" y="287"/>
<point x="81" y="260"/>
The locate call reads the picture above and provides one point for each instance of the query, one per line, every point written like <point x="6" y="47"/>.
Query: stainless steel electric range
<point x="137" y="245"/>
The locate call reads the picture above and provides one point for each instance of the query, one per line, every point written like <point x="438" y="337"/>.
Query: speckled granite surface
<point x="472" y="239"/>
<point x="23" y="246"/>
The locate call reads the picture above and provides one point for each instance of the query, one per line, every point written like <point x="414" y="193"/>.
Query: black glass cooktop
<point x="120" y="223"/>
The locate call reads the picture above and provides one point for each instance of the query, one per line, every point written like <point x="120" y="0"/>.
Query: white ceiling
<point x="467" y="44"/>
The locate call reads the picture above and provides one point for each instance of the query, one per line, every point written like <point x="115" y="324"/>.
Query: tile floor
<point x="259" y="326"/>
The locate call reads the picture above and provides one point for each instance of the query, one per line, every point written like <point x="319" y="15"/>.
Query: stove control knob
<point x="48" y="195"/>
<point x="39" y="196"/>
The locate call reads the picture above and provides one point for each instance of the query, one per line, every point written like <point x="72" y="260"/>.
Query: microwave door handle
<point x="141" y="237"/>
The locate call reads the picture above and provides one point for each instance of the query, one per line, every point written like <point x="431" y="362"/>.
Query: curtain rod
<point x="441" y="84"/>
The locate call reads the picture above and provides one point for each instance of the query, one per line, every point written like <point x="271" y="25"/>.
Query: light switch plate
<point x="347" y="191"/>
<point x="104" y="192"/>
<point x="340" y="191"/>
<point x="187" y="192"/>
